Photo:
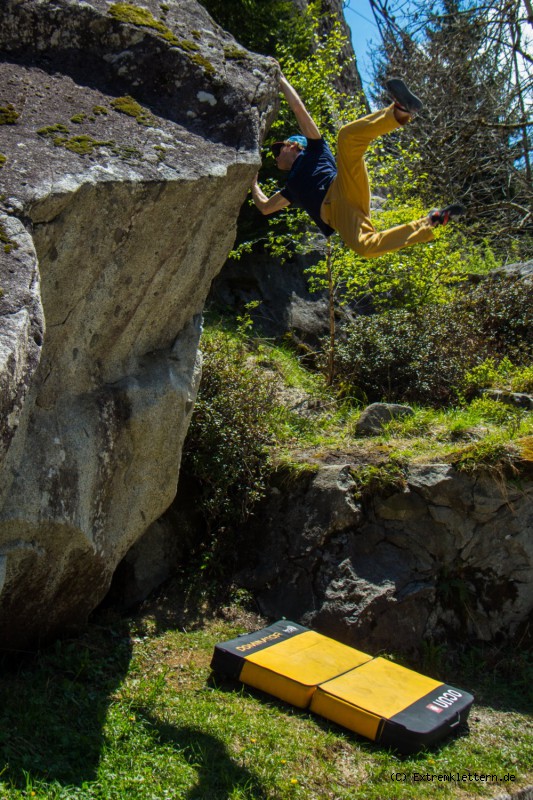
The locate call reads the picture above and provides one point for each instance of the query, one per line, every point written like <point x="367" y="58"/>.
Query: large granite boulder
<point x="129" y="135"/>
<point x="446" y="555"/>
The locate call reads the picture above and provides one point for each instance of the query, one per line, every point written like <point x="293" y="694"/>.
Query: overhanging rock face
<point x="128" y="139"/>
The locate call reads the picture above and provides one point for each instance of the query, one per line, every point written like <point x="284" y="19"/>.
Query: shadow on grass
<point x="53" y="707"/>
<point x="53" y="711"/>
<point x="218" y="773"/>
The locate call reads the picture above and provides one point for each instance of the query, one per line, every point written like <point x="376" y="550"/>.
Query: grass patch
<point x="132" y="710"/>
<point x="310" y="421"/>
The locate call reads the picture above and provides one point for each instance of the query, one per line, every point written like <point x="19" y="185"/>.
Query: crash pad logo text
<point x="242" y="648"/>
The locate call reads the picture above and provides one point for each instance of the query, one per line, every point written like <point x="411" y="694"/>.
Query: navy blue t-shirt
<point x="309" y="180"/>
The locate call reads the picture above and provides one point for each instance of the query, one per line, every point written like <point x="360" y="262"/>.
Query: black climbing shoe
<point x="403" y="98"/>
<point x="441" y="216"/>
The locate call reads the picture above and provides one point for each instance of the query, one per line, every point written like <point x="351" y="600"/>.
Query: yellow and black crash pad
<point x="377" y="698"/>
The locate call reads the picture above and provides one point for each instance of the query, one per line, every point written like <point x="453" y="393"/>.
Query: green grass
<point x="312" y="422"/>
<point x="131" y="710"/>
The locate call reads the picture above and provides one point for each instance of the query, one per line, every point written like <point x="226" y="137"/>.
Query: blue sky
<point x="362" y="24"/>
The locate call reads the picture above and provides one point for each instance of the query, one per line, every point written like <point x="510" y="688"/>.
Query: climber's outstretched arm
<point x="267" y="205"/>
<point x="307" y="124"/>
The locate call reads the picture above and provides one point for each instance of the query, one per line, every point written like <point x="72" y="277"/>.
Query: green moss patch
<point x="234" y="53"/>
<point x="127" y="105"/>
<point x="78" y="118"/>
<point x="6" y="241"/>
<point x="127" y="152"/>
<point x="84" y="145"/>
<point x="188" y="46"/>
<point x="8" y="115"/>
<point x="202" y="62"/>
<point x="51" y="130"/>
<point x="81" y="145"/>
<point x="3" y="160"/>
<point x="127" y="12"/>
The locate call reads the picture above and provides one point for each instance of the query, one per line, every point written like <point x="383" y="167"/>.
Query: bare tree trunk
<point x="515" y="34"/>
<point x="331" y="301"/>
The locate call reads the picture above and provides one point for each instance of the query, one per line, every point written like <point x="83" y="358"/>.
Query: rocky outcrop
<point x="445" y="555"/>
<point x="279" y="296"/>
<point x="129" y="135"/>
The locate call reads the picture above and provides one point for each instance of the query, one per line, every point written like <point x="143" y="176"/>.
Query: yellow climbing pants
<point x="346" y="206"/>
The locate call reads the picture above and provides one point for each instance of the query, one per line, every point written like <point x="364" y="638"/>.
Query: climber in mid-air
<point x="336" y="194"/>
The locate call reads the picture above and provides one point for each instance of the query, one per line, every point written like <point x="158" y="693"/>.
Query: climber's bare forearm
<point x="267" y="205"/>
<point x="305" y="121"/>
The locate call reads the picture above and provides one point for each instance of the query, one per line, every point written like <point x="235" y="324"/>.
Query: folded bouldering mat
<point x="374" y="697"/>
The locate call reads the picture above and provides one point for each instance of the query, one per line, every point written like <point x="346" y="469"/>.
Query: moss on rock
<point x="134" y="15"/>
<point x="234" y="53"/>
<point x="6" y="241"/>
<point x="202" y="62"/>
<point x="82" y="145"/>
<point x="50" y="130"/>
<point x="8" y="115"/>
<point x="127" y="105"/>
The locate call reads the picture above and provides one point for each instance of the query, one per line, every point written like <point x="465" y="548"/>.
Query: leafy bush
<point x="424" y="355"/>
<point x="502" y="375"/>
<point x="226" y="447"/>
<point x="403" y="356"/>
<point x="503" y="306"/>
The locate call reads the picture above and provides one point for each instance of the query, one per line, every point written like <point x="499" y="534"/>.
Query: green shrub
<point x="522" y="380"/>
<point x="226" y="447"/>
<point x="405" y="356"/>
<point x="502" y="375"/>
<point x="499" y="413"/>
<point x="424" y="355"/>
<point x="502" y="307"/>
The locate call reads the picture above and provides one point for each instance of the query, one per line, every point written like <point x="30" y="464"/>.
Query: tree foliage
<point x="256" y="24"/>
<point x="469" y="61"/>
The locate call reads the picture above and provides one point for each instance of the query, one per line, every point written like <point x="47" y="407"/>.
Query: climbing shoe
<point x="441" y="216"/>
<point x="403" y="98"/>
